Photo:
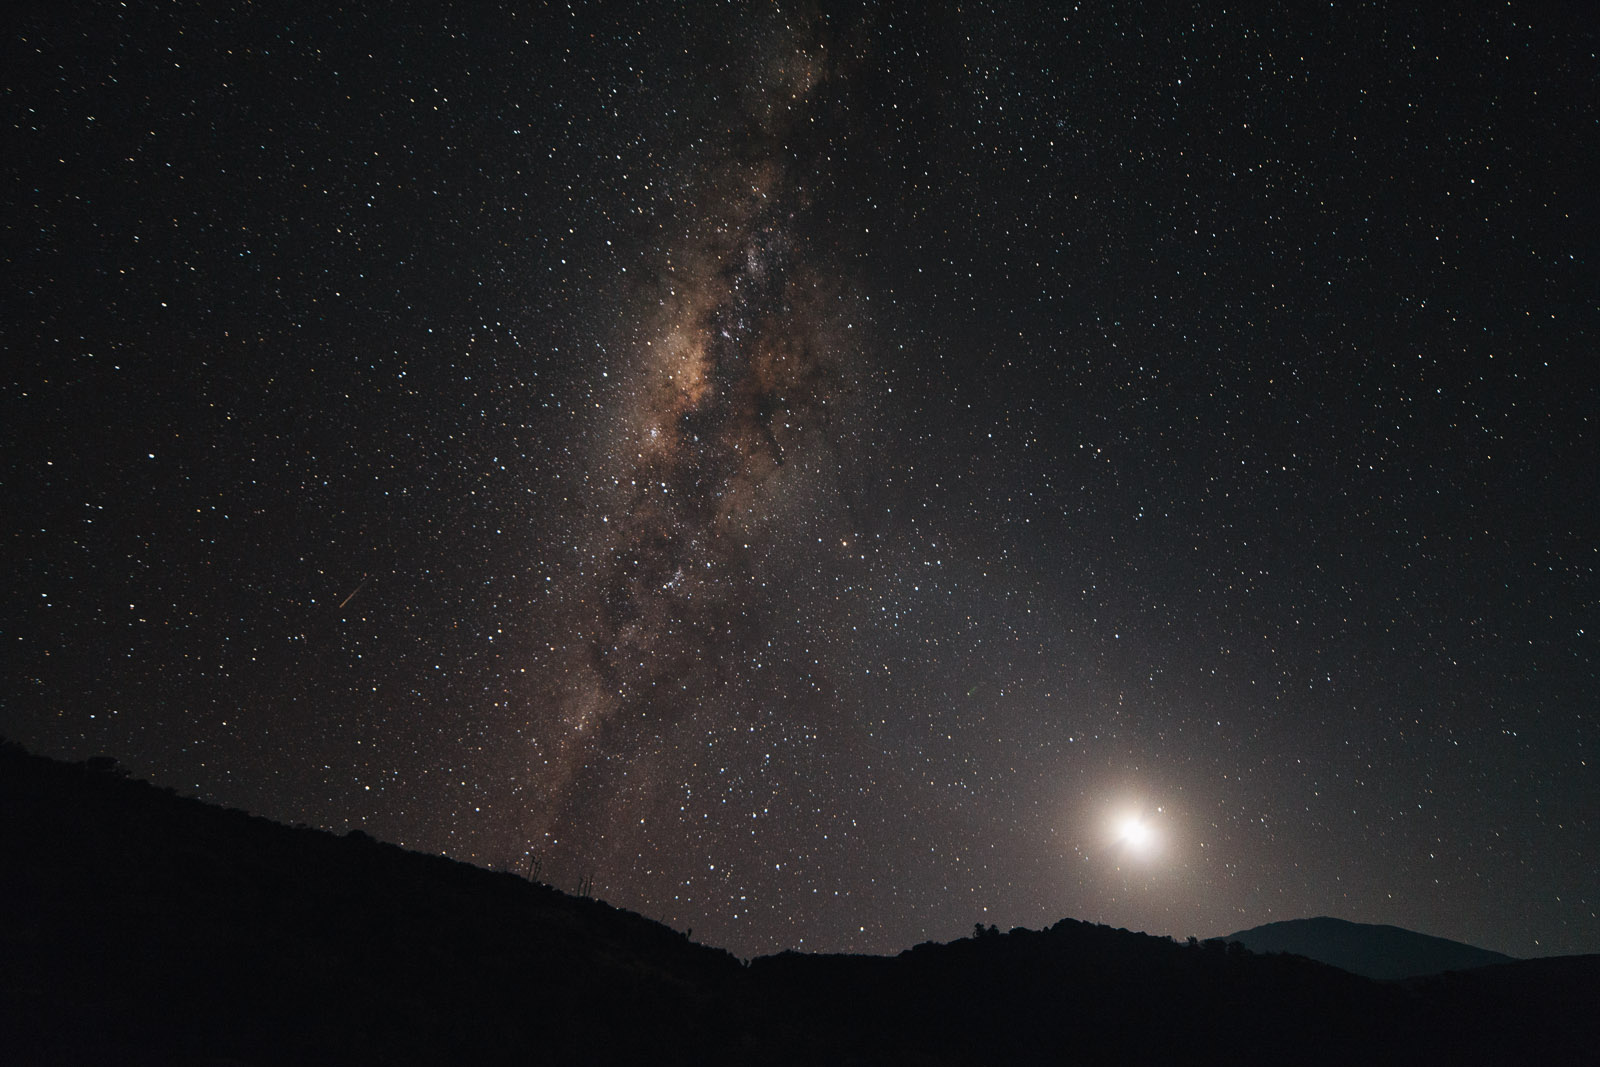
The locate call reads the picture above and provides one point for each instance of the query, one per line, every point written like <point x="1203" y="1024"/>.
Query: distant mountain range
<point x="141" y="927"/>
<point x="1382" y="952"/>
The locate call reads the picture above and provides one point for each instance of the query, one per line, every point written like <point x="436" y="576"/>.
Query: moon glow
<point x="1136" y="834"/>
<point x="1132" y="833"/>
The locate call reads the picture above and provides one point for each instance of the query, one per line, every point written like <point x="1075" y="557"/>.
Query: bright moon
<point x="1135" y="834"/>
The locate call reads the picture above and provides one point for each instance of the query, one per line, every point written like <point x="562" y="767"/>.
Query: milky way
<point x="723" y="446"/>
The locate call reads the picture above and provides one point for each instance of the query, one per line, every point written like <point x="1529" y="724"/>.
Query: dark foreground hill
<point x="137" y="926"/>
<point x="1382" y="952"/>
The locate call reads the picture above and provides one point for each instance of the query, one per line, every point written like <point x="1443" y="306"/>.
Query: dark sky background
<point x="821" y="473"/>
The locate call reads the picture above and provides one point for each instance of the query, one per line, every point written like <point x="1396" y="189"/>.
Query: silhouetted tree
<point x="106" y="765"/>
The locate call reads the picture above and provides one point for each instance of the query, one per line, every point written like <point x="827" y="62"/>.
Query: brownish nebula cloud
<point x="724" y="445"/>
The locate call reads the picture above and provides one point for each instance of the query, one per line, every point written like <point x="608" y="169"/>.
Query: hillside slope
<point x="1381" y="952"/>
<point x="135" y="919"/>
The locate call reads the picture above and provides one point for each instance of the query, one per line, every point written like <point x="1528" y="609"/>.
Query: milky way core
<point x="717" y="455"/>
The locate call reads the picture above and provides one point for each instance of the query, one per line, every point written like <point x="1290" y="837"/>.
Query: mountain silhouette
<point x="1386" y="953"/>
<point x="141" y="927"/>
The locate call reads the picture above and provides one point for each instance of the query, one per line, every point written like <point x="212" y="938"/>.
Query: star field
<point x="830" y="478"/>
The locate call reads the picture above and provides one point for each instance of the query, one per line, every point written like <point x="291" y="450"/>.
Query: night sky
<point x="830" y="477"/>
